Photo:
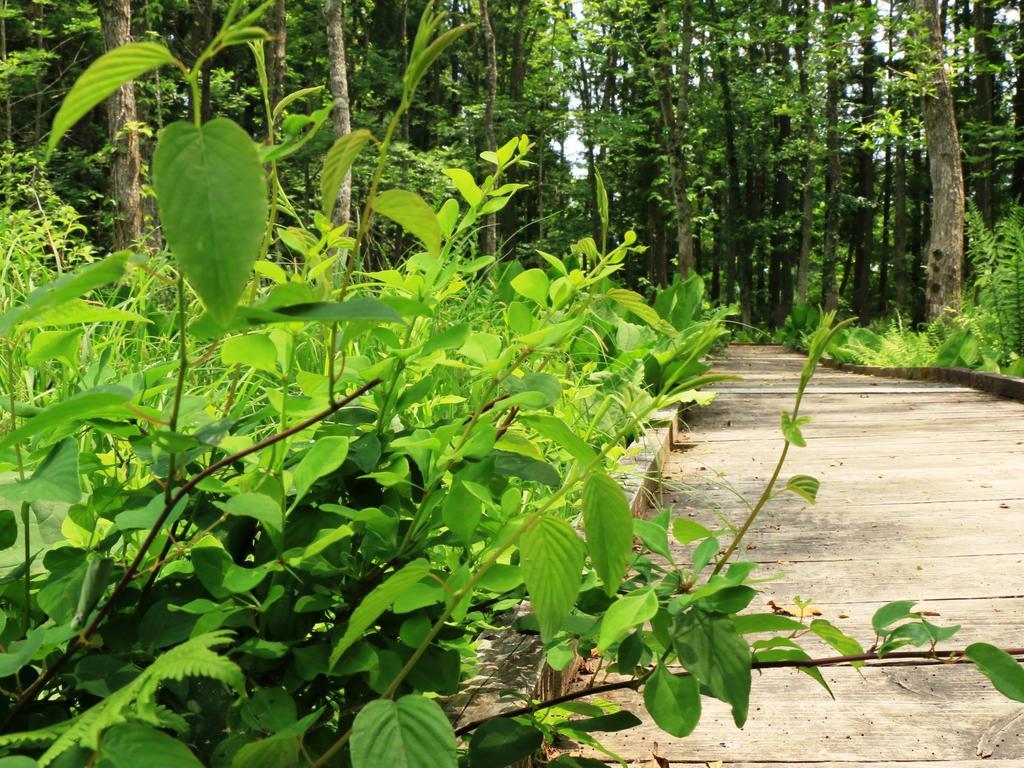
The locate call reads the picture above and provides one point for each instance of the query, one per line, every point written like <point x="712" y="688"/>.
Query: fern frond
<point x="136" y="701"/>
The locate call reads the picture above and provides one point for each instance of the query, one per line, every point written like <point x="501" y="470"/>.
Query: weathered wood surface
<point x="922" y="498"/>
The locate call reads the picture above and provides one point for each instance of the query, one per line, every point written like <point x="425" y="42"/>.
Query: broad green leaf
<point x="709" y="646"/>
<point x="411" y="213"/>
<point x="131" y="746"/>
<point x="1006" y="674"/>
<point x="326" y="455"/>
<point x="412" y="732"/>
<point x="688" y="531"/>
<point x="258" y="506"/>
<point x="374" y="604"/>
<point x="653" y="536"/>
<point x="44" y="525"/>
<point x="836" y="638"/>
<point x="100" y="403"/>
<point x="533" y="284"/>
<point x="212" y="194"/>
<point x="450" y="338"/>
<point x="791" y="429"/>
<point x="610" y="723"/>
<point x="631" y="301"/>
<point x="104" y="76"/>
<point x="464" y="182"/>
<point x="750" y="623"/>
<point x="805" y="486"/>
<point x="55" y="479"/>
<point x="507" y="464"/>
<point x="337" y="164"/>
<point x="890" y="613"/>
<point x="279" y="750"/>
<point x="55" y="345"/>
<point x="80" y="312"/>
<point x="350" y="310"/>
<point x="608" y="525"/>
<point x="254" y="351"/>
<point x="625" y="614"/>
<point x="602" y="201"/>
<point x="673" y="701"/>
<point x="21" y="652"/>
<point x="8" y="529"/>
<point x="501" y="742"/>
<point x="702" y="555"/>
<point x="551" y="559"/>
<point x="65" y="288"/>
<point x="556" y="430"/>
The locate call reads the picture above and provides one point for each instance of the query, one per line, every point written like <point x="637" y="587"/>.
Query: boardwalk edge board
<point x="510" y="660"/>
<point x="997" y="384"/>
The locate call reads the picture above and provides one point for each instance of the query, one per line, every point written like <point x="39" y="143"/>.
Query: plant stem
<point x="934" y="657"/>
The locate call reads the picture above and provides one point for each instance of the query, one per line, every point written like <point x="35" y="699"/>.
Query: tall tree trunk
<point x="674" y="103"/>
<point x="8" y="113"/>
<point x="125" y="187"/>
<point x="489" y="239"/>
<point x="807" y="186"/>
<point x="885" y="256"/>
<point x="335" y="12"/>
<point x="1017" y="181"/>
<point x="780" y="284"/>
<point x="276" y="48"/>
<point x="899" y="244"/>
<point x="865" y="229"/>
<point x="834" y="174"/>
<point x="945" y="248"/>
<point x="985" y="100"/>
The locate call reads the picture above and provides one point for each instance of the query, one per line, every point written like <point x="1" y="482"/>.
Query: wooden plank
<point x="880" y="714"/>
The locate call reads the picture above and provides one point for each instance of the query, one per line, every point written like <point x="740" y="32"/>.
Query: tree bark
<point x="865" y="229"/>
<point x="945" y="249"/>
<point x="900" y="229"/>
<point x="125" y="186"/>
<point x="807" y="187"/>
<point x="1017" y="180"/>
<point x="985" y="100"/>
<point x="489" y="237"/>
<point x="834" y="173"/>
<point x="674" y="103"/>
<point x="335" y="12"/>
<point x="277" y="61"/>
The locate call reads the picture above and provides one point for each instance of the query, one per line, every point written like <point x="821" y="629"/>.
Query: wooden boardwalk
<point x="922" y="497"/>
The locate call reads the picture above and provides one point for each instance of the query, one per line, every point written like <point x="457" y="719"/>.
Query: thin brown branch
<point x="895" y="658"/>
<point x="133" y="570"/>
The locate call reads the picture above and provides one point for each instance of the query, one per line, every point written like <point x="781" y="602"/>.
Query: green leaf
<point x="836" y="638"/>
<point x="625" y="614"/>
<point x="99" y="403"/>
<point x="337" y="164"/>
<point x="254" y="351"/>
<point x="602" y="202"/>
<point x="533" y="284"/>
<point x="130" y="746"/>
<point x="501" y="742"/>
<point x="351" y="310"/>
<point x="709" y="646"/>
<point x="1006" y="674"/>
<point x="464" y="182"/>
<point x="608" y="525"/>
<point x="55" y="479"/>
<point x="556" y="430"/>
<point x="258" y="506"/>
<point x="791" y="429"/>
<point x="507" y="464"/>
<point x="8" y="529"/>
<point x="805" y="486"/>
<point x="688" y="531"/>
<point x="412" y="732"/>
<point x="551" y="561"/>
<point x="610" y="723"/>
<point x="21" y="652"/>
<point x="411" y="213"/>
<point x="326" y="455"/>
<point x="104" y="76"/>
<point x="69" y="286"/>
<point x="55" y="345"/>
<point x="673" y="702"/>
<point x="750" y="623"/>
<point x="631" y="301"/>
<point x="213" y="204"/>
<point x="653" y="536"/>
<point x="890" y="613"/>
<point x="374" y="604"/>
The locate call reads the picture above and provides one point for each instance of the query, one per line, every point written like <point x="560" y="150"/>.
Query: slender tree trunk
<point x="1017" y="181"/>
<point x="985" y="101"/>
<point x="674" y="103"/>
<point x="807" y="186"/>
<point x="8" y="114"/>
<point x="945" y="248"/>
<point x="335" y="12"/>
<point x="885" y="256"/>
<point x="865" y="229"/>
<point x="489" y="239"/>
<point x="834" y="174"/>
<point x="277" y="61"/>
<point x="899" y="246"/>
<point x="125" y="186"/>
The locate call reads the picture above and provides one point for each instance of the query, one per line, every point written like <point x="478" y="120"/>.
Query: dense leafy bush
<point x="263" y="525"/>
